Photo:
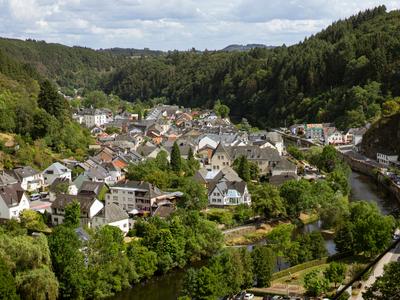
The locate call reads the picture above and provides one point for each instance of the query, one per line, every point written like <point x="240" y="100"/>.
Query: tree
<point x="33" y="220"/>
<point x="372" y="231"/>
<point x="221" y="109"/>
<point x="162" y="160"/>
<point x="280" y="240"/>
<point x="336" y="273"/>
<point x="7" y="283"/>
<point x="73" y="214"/>
<point x="315" y="284"/>
<point x="263" y="265"/>
<point x="176" y="163"/>
<point x="266" y="201"/>
<point x="344" y="239"/>
<point x="201" y="284"/>
<point x="145" y="261"/>
<point x="50" y="100"/>
<point x="386" y="286"/>
<point x="39" y="283"/>
<point x="68" y="262"/>
<point x="243" y="168"/>
<point x="297" y="196"/>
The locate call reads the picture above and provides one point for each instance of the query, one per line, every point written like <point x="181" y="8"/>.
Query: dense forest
<point x="343" y="74"/>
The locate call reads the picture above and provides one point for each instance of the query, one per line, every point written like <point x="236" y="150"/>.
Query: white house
<point x="30" y="179"/>
<point x="94" y="117"/>
<point x="333" y="136"/>
<point x="386" y="158"/>
<point x="89" y="206"/>
<point x="13" y="201"/>
<point x="112" y="215"/>
<point x="54" y="171"/>
<point x="226" y="193"/>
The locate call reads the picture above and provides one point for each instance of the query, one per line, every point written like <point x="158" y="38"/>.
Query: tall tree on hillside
<point x="50" y="100"/>
<point x="176" y="160"/>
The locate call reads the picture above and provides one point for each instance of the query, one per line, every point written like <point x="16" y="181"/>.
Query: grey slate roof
<point x="285" y="165"/>
<point x="254" y="153"/>
<point x="112" y="213"/>
<point x="91" y="188"/>
<point x="6" y="179"/>
<point x="11" y="194"/>
<point x="23" y="172"/>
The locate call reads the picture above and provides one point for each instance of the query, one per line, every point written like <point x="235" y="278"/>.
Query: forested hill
<point x="341" y="74"/>
<point x="68" y="66"/>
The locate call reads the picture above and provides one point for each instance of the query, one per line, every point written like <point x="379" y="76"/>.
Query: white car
<point x="248" y="296"/>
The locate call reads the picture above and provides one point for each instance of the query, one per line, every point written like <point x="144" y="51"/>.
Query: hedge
<point x="309" y="264"/>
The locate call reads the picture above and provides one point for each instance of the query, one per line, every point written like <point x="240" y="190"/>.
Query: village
<point x="106" y="196"/>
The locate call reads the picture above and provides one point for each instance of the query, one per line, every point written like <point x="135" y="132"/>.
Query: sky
<point x="174" y="24"/>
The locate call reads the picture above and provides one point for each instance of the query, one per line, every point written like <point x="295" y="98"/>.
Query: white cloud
<point x="173" y="24"/>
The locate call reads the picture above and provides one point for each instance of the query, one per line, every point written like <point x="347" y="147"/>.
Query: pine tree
<point x="176" y="162"/>
<point x="50" y="100"/>
<point x="72" y="214"/>
<point x="244" y="168"/>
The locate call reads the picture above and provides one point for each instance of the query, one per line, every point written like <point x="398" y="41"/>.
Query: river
<point x="167" y="287"/>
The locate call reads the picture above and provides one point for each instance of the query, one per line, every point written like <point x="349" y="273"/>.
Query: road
<point x="391" y="256"/>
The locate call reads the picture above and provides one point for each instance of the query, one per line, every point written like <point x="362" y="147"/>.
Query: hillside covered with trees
<point x="343" y="74"/>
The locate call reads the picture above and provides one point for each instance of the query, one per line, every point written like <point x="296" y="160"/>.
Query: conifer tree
<point x="176" y="162"/>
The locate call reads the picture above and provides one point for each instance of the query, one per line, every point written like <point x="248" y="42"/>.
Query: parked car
<point x="248" y="296"/>
<point x="35" y="197"/>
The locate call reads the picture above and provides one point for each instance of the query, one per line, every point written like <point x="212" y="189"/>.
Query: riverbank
<point x="371" y="168"/>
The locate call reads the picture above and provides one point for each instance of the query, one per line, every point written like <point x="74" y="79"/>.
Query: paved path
<point x="392" y="255"/>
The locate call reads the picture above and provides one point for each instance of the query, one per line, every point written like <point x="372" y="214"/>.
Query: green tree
<point x="7" y="283"/>
<point x="33" y="220"/>
<point x="266" y="201"/>
<point x="263" y="265"/>
<point x="68" y="262"/>
<point x="221" y="109"/>
<point x="50" y="100"/>
<point x="315" y="284"/>
<point x="344" y="239"/>
<point x="145" y="261"/>
<point x="386" y="286"/>
<point x="73" y="214"/>
<point x="202" y="284"/>
<point x="176" y="163"/>
<point x="243" y="168"/>
<point x="336" y="273"/>
<point x="162" y="160"/>
<point x="39" y="283"/>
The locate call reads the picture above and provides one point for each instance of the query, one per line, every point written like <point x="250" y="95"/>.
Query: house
<point x="278" y="180"/>
<point x="386" y="158"/>
<point x="314" y="131"/>
<point x="6" y="179"/>
<point x="276" y="140"/>
<point x="220" y="158"/>
<point x="228" y="193"/>
<point x="91" y="188"/>
<point x="332" y="136"/>
<point x="355" y="135"/>
<point x="134" y="195"/>
<point x="30" y="179"/>
<point x="264" y="158"/>
<point x="13" y="201"/>
<point x="89" y="206"/>
<point x="93" y="117"/>
<point x="62" y="186"/>
<point x="284" y="167"/>
<point x="112" y="215"/>
<point x="54" y="171"/>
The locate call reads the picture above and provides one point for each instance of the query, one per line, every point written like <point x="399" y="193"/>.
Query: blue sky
<point x="173" y="24"/>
